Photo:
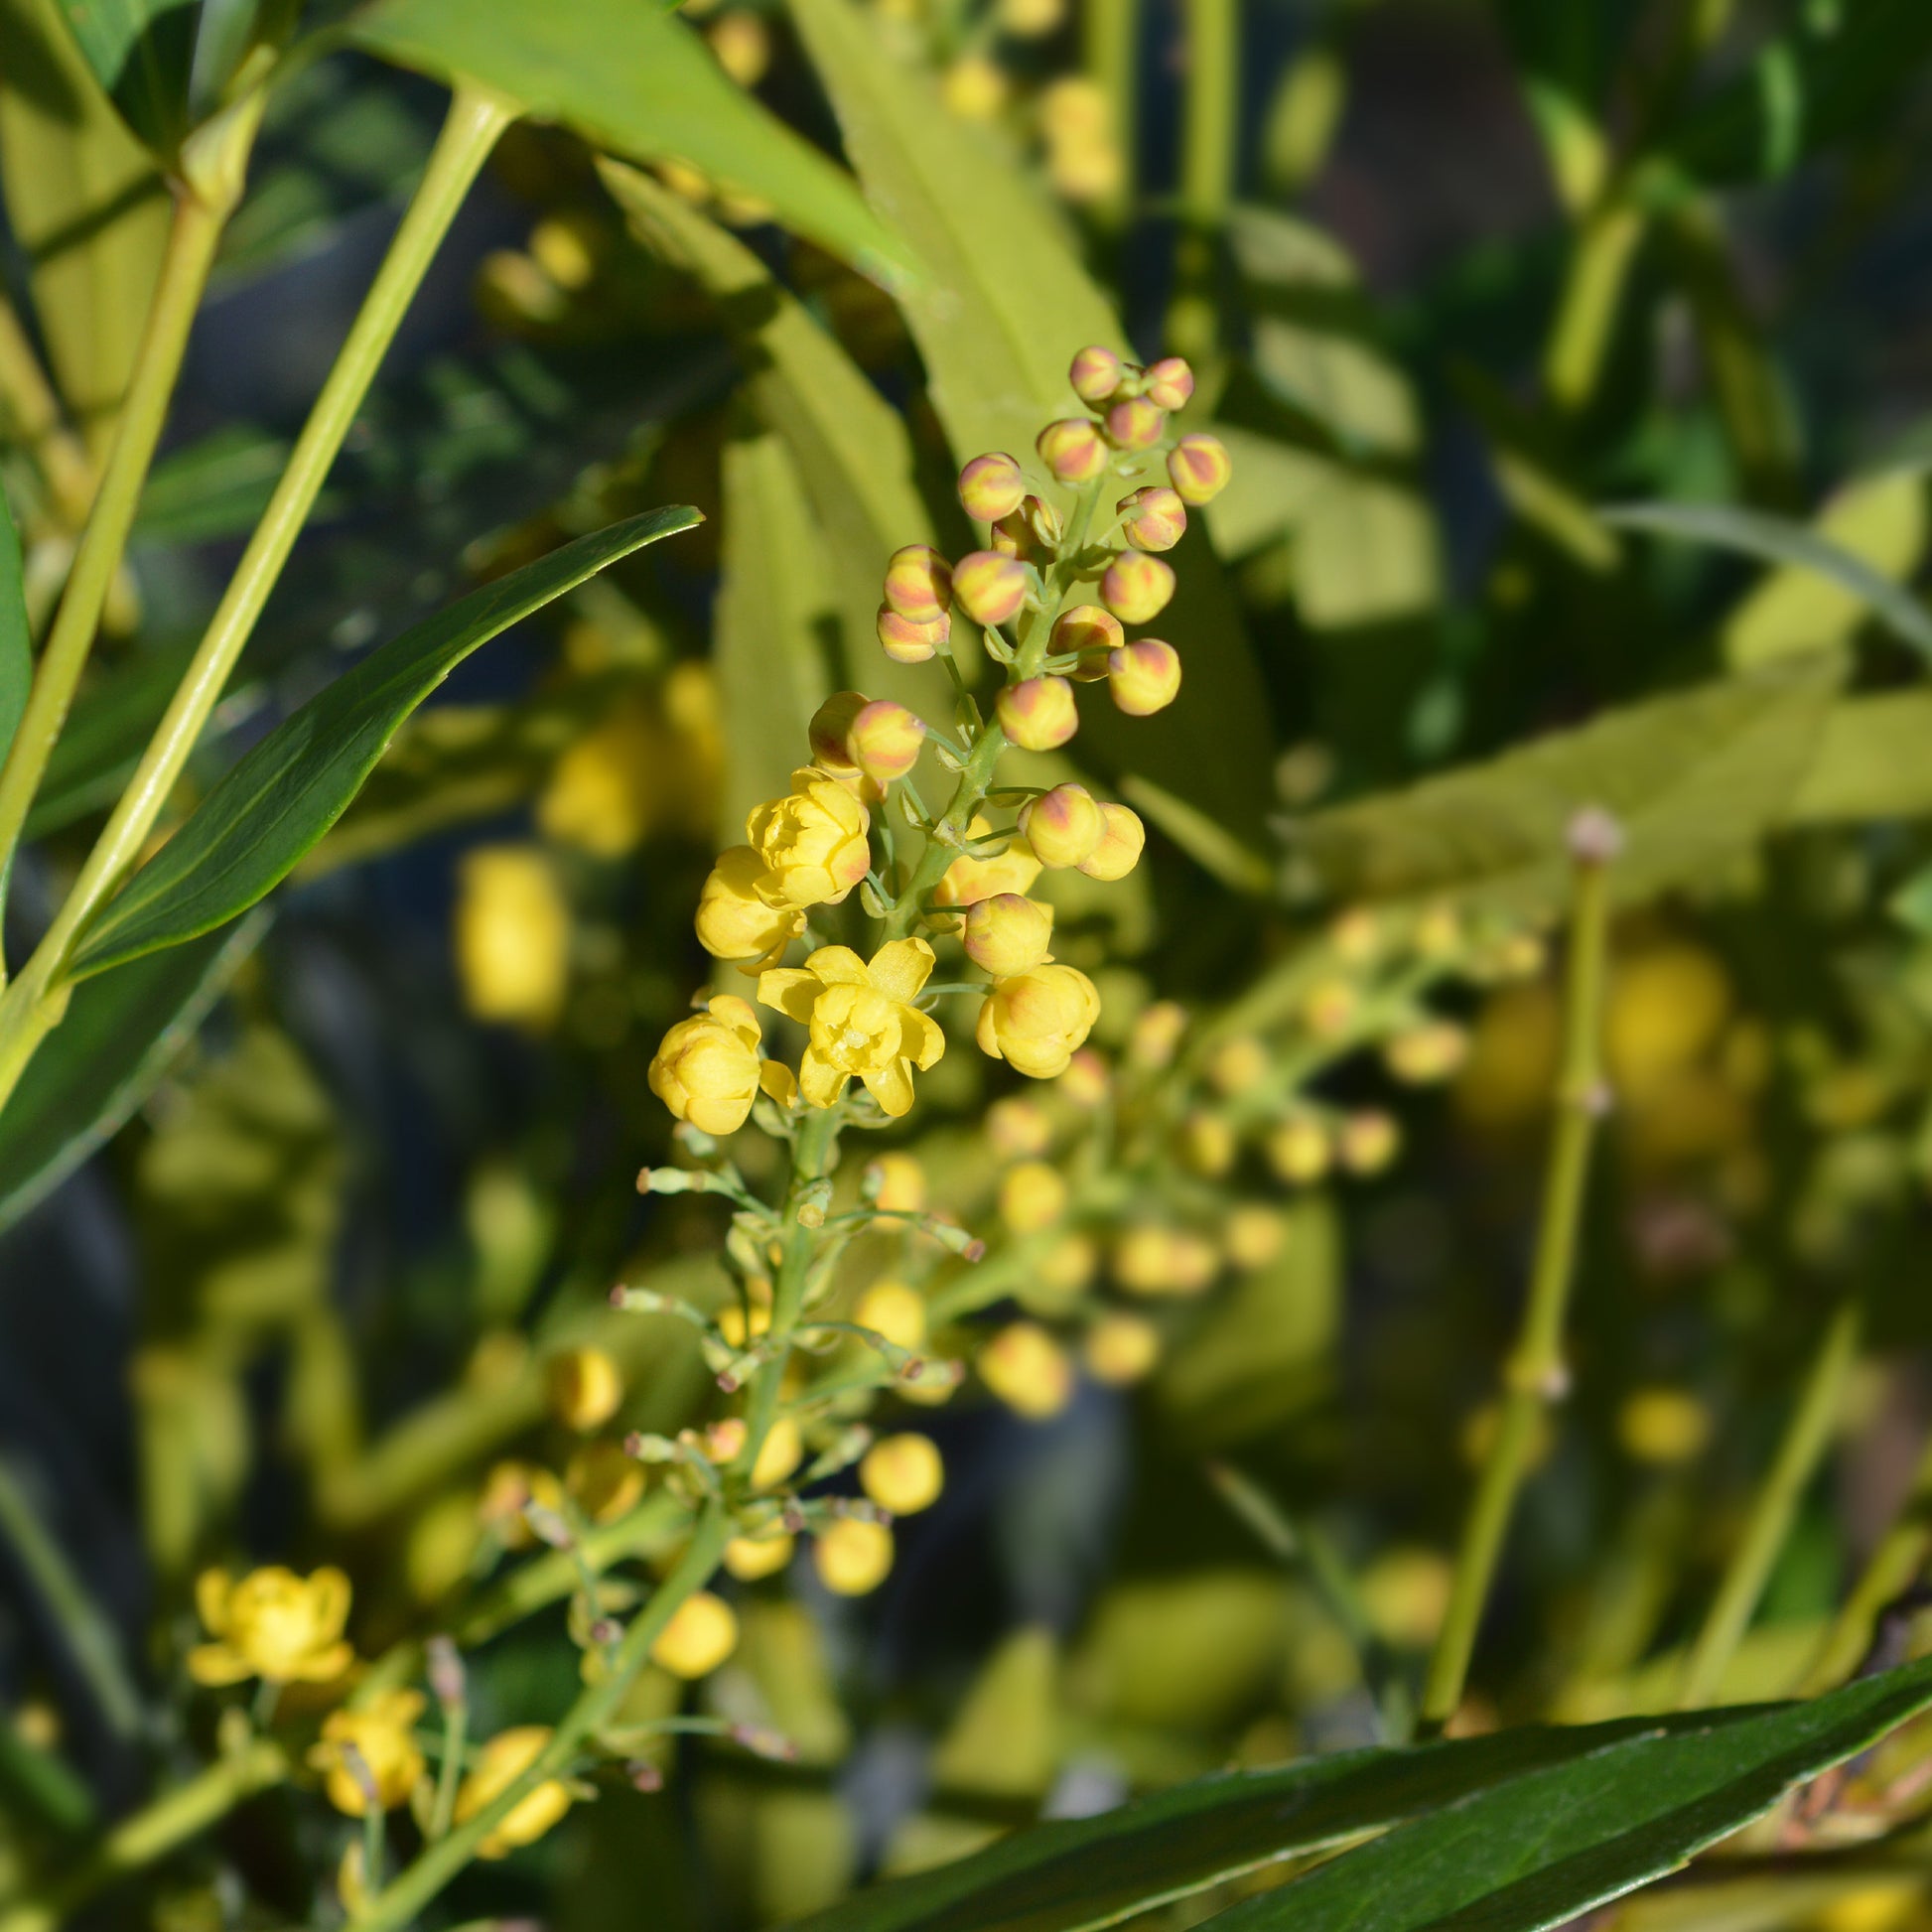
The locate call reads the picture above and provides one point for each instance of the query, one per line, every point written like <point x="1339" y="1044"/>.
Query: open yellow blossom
<point x="707" y="1069"/>
<point x="272" y="1624"/>
<point x="734" y="922"/>
<point x="381" y="1735"/>
<point x="502" y="1763"/>
<point x="1038" y="1020"/>
<point x="812" y="841"/>
<point x="862" y="1019"/>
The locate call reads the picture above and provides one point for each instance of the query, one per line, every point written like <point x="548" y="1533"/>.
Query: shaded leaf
<point x="15" y="637"/>
<point x="121" y="1033"/>
<point x="1869" y="763"/>
<point x="142" y="52"/>
<point x="250" y="830"/>
<point x="216" y="487"/>
<point x="1779" y="541"/>
<point x="1694" y="778"/>
<point x="636" y="80"/>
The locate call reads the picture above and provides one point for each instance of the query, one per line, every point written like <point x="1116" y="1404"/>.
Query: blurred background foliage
<point x="316" y="1199"/>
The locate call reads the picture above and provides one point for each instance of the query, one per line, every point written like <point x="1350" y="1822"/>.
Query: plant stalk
<point x="31" y="403"/>
<point x="1211" y="119"/>
<point x="1536" y="1377"/>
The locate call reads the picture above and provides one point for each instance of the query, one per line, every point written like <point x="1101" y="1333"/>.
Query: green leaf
<point x="1542" y="1847"/>
<point x="142" y="52"/>
<point x="215" y="488"/>
<point x="1870" y="762"/>
<point x="634" y="80"/>
<point x="998" y="310"/>
<point x="252" y="829"/>
<point x="1779" y="541"/>
<point x="1696" y="779"/>
<point x="15" y="637"/>
<point x="121" y="1033"/>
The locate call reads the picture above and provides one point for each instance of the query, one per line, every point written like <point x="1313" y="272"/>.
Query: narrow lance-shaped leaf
<point x="634" y="80"/>
<point x="248" y="833"/>
<point x="16" y="640"/>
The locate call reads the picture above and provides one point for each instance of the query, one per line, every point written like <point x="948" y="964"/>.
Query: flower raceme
<point x="861" y="1021"/>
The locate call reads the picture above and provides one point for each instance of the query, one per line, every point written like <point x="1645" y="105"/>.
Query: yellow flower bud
<point x="508" y="1489"/>
<point x="1154" y="519"/>
<point x="1038" y="714"/>
<point x="1036" y="1020"/>
<point x="1135" y="423"/>
<point x="974" y="87"/>
<point x="1199" y="468"/>
<point x="1156" y="1035"/>
<point x="734" y="922"/>
<point x="272" y="1624"/>
<point x="1368" y="1142"/>
<point x="1300" y="1150"/>
<point x="1096" y="373"/>
<point x="1091" y="632"/>
<point x="1083" y="167"/>
<point x="853" y="1556"/>
<point x="585" y="1386"/>
<point x="1018" y="1128"/>
<point x="1086" y="1081"/>
<point x="512" y="936"/>
<point x="1330" y="1007"/>
<point x="989" y="587"/>
<point x="990" y="487"/>
<point x="827" y="732"/>
<point x="1069" y="1263"/>
<point x="1255" y="1235"/>
<point x="725" y="1440"/>
<point x="1073" y="450"/>
<point x="1358" y="936"/>
<point x="1144" y="677"/>
<point x="603" y="1482"/>
<point x="1136" y="588"/>
<point x="884" y="739"/>
<point x="1238" y="1064"/>
<point x="1154" y="1260"/>
<point x="702" y="1633"/>
<point x="1032" y="533"/>
<point x="1028" y="1370"/>
<point x="907" y="642"/>
<point x="1168" y="382"/>
<point x="781" y="1453"/>
<point x="895" y="1310"/>
<point x="731" y="1321"/>
<point x="919" y="582"/>
<point x="380" y="1736"/>
<point x="1208" y="1143"/>
<point x="1122" y="839"/>
<point x="1663" y="1425"/>
<point x="901" y="1187"/>
<point x="1031" y="20"/>
<point x="741" y="43"/>
<point x="1062" y="825"/>
<point x="1120" y="1349"/>
<point x="1431" y="1051"/>
<point x="500" y="1764"/>
<point x="751" y="1557"/>
<point x="969" y="880"/>
<point x="1008" y="935"/>
<point x="904" y="1473"/>
<point x="813" y="842"/>
<point x="1033" y="1196"/>
<point x="862" y="1022"/>
<point x="706" y="1069"/>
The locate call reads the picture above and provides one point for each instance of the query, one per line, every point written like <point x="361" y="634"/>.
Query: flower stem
<point x="30" y="401"/>
<point x="1536" y="1376"/>
<point x="1775" y="1509"/>
<point x="34" y="1004"/>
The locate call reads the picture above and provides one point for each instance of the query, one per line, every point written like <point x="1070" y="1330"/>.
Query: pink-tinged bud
<point x="906" y="642"/>
<point x="1137" y="587"/>
<point x="1122" y="838"/>
<point x="917" y="583"/>
<point x="1155" y="518"/>
<point x="1168" y="383"/>
<point x="1198" y="466"/>
<point x="1073" y="450"/>
<point x="1039" y="714"/>
<point x="1008" y="935"/>
<point x="990" y="588"/>
<point x="1042" y="521"/>
<point x="1091" y="632"/>
<point x="990" y="487"/>
<point x="1144" y="677"/>
<point x="884" y="739"/>
<point x="1135" y="424"/>
<point x="1062" y="825"/>
<point x="1032" y="533"/>
<point x="1095" y="374"/>
<point x="831" y="723"/>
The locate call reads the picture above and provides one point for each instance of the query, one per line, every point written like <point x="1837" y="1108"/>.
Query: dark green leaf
<point x="1542" y="1847"/>
<point x="142" y="53"/>
<point x="1779" y="541"/>
<point x="16" y="639"/>
<point x="248" y="833"/>
<point x="120" y="1036"/>
<point x="634" y="79"/>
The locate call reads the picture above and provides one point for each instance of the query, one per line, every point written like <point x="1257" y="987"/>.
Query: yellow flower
<point x="862" y="1019"/>
<point x="853" y="1556"/>
<point x="1120" y="1349"/>
<point x="969" y="880"/>
<point x="1036" y="1020"/>
<point x="751" y="1557"/>
<point x="380" y="1734"/>
<point x="1033" y="1196"/>
<point x="603" y="1482"/>
<point x="734" y="922"/>
<point x="512" y="936"/>
<point x="898" y="1184"/>
<point x="895" y="1310"/>
<point x="701" y="1634"/>
<point x="1028" y="1370"/>
<point x="504" y="1761"/>
<point x="812" y="841"/>
<point x="707" y="1069"/>
<point x="585" y="1386"/>
<point x="904" y="1473"/>
<point x="273" y="1624"/>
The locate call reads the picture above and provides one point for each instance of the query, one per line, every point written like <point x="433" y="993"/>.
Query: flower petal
<point x="837" y="966"/>
<point x="892" y="1086"/>
<point x="791" y="990"/>
<point x="213" y="1589"/>
<point x="902" y="967"/>
<point x="819" y="1080"/>
<point x="775" y="1077"/>
<point x="216" y="1664"/>
<point x="328" y="1593"/>
<point x="920" y="1037"/>
<point x="737" y="1014"/>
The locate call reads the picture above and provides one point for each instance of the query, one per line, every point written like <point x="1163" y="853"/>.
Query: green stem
<point x="1211" y="119"/>
<point x="1111" y="33"/>
<point x="1593" y="293"/>
<point x="37" y="1000"/>
<point x="943" y="846"/>
<point x="34" y="411"/>
<point x="152" y="1834"/>
<point x="1774" y="1511"/>
<point x="1536" y="1376"/>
